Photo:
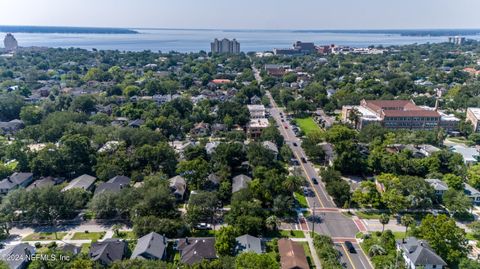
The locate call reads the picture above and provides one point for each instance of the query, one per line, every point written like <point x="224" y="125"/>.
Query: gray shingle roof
<point x="150" y="246"/>
<point x="437" y="184"/>
<point x="240" y="182"/>
<point x="108" y="251"/>
<point x="420" y="253"/>
<point x="196" y="249"/>
<point x="20" y="251"/>
<point x="84" y="182"/>
<point x="248" y="243"/>
<point x="115" y="184"/>
<point x="15" y="180"/>
<point x="179" y="184"/>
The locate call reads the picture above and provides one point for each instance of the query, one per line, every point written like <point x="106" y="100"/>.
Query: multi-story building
<point x="298" y="48"/>
<point x="225" y="46"/>
<point x="258" y="121"/>
<point x="256" y="111"/>
<point x="473" y="116"/>
<point x="10" y="43"/>
<point x="398" y="114"/>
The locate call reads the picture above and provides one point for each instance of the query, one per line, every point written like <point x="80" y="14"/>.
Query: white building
<point x="256" y="111"/>
<point x="473" y="116"/>
<point x="225" y="46"/>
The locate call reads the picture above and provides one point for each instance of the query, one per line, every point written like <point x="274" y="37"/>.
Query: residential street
<point x="329" y="220"/>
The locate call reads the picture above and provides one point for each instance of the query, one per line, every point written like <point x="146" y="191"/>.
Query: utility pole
<point x="313" y="217"/>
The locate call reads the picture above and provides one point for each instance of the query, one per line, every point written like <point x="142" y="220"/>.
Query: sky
<point x="244" y="14"/>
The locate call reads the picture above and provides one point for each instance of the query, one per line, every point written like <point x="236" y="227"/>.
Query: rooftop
<point x="475" y="111"/>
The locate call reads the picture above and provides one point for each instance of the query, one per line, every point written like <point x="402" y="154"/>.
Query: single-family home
<point x="292" y="255"/>
<point x="211" y="146"/>
<point x="472" y="193"/>
<point x="108" y="251"/>
<point x="271" y="146"/>
<point x="194" y="250"/>
<point x="17" y="256"/>
<point x="200" y="129"/>
<point x="418" y="254"/>
<point x="247" y="243"/>
<point x="45" y="182"/>
<point x="439" y="186"/>
<point x="240" y="182"/>
<point x="70" y="248"/>
<point x="16" y="180"/>
<point x="151" y="246"/>
<point x="11" y="127"/>
<point x="470" y="155"/>
<point x="178" y="185"/>
<point x="114" y="184"/>
<point x="84" y="181"/>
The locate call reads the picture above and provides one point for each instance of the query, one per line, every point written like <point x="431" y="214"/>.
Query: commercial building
<point x="473" y="116"/>
<point x="258" y="121"/>
<point x="398" y="114"/>
<point x="298" y="48"/>
<point x="256" y="111"/>
<point x="225" y="46"/>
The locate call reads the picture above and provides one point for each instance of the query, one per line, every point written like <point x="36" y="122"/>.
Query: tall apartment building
<point x="225" y="46"/>
<point x="399" y="114"/>
<point x="10" y="43"/>
<point x="473" y="116"/>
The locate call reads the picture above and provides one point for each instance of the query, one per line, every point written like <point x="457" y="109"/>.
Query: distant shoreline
<point x="135" y="30"/>
<point x="65" y="30"/>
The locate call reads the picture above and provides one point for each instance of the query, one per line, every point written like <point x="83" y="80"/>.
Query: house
<point x="292" y="255"/>
<point x="45" y="182"/>
<point x="11" y="127"/>
<point x="136" y="123"/>
<point x="247" y="243"/>
<point x="115" y="184"/>
<point x="18" y="256"/>
<point x="211" y="146"/>
<point x="240" y="182"/>
<point x="418" y="254"/>
<point x="151" y="246"/>
<point x="14" y="181"/>
<point x="271" y="146"/>
<point x="472" y="193"/>
<point x="70" y="248"/>
<point x="178" y="185"/>
<point x="275" y="70"/>
<point x="213" y="180"/>
<point x="439" y="186"/>
<point x="82" y="182"/>
<point x="194" y="250"/>
<point x="200" y="129"/>
<point x="108" y="251"/>
<point x="470" y="155"/>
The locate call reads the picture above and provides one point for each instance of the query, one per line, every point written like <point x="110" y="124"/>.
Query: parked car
<point x="315" y="181"/>
<point x="350" y="247"/>
<point x="295" y="144"/>
<point x="303" y="160"/>
<point x="286" y="127"/>
<point x="203" y="226"/>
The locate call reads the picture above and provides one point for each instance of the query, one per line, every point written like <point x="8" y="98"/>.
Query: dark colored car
<point x="303" y="160"/>
<point x="314" y="180"/>
<point x="283" y="120"/>
<point x="350" y="247"/>
<point x="295" y="144"/>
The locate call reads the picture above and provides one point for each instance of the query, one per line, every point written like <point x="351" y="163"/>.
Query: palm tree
<point x="384" y="220"/>
<point x="407" y="221"/>
<point x="354" y="117"/>
<point x="293" y="183"/>
<point x="375" y="250"/>
<point x="272" y="222"/>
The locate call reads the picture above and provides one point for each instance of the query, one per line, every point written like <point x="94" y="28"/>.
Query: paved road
<point x="329" y="220"/>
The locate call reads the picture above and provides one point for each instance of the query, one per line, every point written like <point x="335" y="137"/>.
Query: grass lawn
<point x="128" y="235"/>
<point x="302" y="201"/>
<point x="94" y="236"/>
<point x="399" y="235"/>
<point x="307" y="125"/>
<point x="85" y="248"/>
<point x="306" y="248"/>
<point x="43" y="236"/>
<point x="369" y="215"/>
<point x="292" y="234"/>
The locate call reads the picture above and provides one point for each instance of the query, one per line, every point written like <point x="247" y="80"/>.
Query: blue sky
<point x="244" y="14"/>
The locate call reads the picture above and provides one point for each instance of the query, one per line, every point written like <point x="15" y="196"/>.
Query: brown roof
<point x="385" y="104"/>
<point x="292" y="255"/>
<point x="411" y="113"/>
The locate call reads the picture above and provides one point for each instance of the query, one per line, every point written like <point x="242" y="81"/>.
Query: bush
<point x="38" y="245"/>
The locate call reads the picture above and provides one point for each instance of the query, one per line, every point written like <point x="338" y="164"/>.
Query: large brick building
<point x="398" y="114"/>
